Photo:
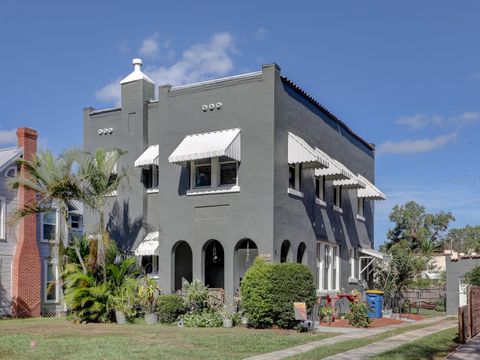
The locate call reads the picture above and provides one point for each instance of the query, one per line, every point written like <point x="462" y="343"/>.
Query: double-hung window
<point x="51" y="283"/>
<point x="361" y="206"/>
<point x="337" y="197"/>
<point x="228" y="171"/>
<point x="3" y="219"/>
<point x="202" y="170"/>
<point x="150" y="177"/>
<point x="320" y="187"/>
<point x="295" y="179"/>
<point x="49" y="226"/>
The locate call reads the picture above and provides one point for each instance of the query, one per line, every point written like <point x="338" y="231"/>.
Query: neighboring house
<point x="457" y="265"/>
<point x="26" y="262"/>
<point x="229" y="169"/>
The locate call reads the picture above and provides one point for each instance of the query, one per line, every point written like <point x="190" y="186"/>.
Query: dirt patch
<point x="413" y="317"/>
<point x="374" y="324"/>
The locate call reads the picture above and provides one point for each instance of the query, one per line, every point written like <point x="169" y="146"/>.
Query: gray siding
<point x="455" y="272"/>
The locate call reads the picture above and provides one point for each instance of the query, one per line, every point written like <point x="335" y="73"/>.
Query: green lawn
<point x="58" y="338"/>
<point x="435" y="346"/>
<point x="329" y="350"/>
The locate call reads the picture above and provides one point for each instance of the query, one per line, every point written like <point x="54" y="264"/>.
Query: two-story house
<point x="234" y="168"/>
<point x="29" y="274"/>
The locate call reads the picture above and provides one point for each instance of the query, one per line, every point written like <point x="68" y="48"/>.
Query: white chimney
<point x="137" y="73"/>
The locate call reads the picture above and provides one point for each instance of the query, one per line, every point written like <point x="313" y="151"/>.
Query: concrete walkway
<point x="366" y="352"/>
<point x="282" y="354"/>
<point x="467" y="351"/>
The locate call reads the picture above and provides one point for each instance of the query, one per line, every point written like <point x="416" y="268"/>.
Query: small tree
<point x="473" y="276"/>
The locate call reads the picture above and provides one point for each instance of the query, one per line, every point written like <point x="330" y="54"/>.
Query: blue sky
<point x="404" y="75"/>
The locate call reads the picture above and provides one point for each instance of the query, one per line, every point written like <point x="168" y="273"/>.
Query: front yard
<point x="58" y="338"/>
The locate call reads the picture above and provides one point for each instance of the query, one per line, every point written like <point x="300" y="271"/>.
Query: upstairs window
<point x="150" y="177"/>
<point x="361" y="207"/>
<point x="49" y="226"/>
<point x="203" y="172"/>
<point x="295" y="176"/>
<point x="320" y="187"/>
<point x="228" y="171"/>
<point x="337" y="196"/>
<point x="11" y="172"/>
<point x="76" y="223"/>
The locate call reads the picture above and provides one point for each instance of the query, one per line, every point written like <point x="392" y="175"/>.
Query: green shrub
<point x="205" y="318"/>
<point x="257" y="300"/>
<point x="473" y="276"/>
<point x="170" y="307"/>
<point x="196" y="295"/>
<point x="269" y="291"/>
<point x="358" y="315"/>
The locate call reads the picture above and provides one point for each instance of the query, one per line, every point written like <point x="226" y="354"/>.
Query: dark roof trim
<point x="104" y="111"/>
<point x="322" y="108"/>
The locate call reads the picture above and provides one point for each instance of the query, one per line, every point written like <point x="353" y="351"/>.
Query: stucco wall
<point x="455" y="272"/>
<point x="301" y="219"/>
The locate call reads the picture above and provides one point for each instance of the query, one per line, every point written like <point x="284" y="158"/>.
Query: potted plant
<point x="327" y="314"/>
<point x="227" y="313"/>
<point x="122" y="301"/>
<point x="148" y="293"/>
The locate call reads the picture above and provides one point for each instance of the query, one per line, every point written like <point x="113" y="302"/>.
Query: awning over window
<point x="370" y="191"/>
<point x="374" y="253"/>
<point x="208" y="145"/>
<point x="354" y="182"/>
<point x="149" y="157"/>
<point x="335" y="170"/>
<point x="299" y="152"/>
<point x="149" y="245"/>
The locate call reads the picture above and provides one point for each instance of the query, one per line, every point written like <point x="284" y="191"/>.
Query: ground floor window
<point x="352" y="257"/>
<point x="150" y="264"/>
<point x="328" y="262"/>
<point x="51" y="282"/>
<point x="3" y="216"/>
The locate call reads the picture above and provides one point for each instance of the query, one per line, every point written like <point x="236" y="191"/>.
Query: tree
<point x="464" y="239"/>
<point x="473" y="276"/>
<point x="56" y="184"/>
<point x="423" y="232"/>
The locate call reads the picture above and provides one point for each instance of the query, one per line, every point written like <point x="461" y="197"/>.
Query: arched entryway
<point x="302" y="254"/>
<point x="285" y="252"/>
<point x="214" y="264"/>
<point x="181" y="264"/>
<point x="244" y="254"/>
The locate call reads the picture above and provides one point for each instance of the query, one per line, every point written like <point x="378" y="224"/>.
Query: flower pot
<point x="227" y="323"/>
<point x="120" y="317"/>
<point x="151" y="318"/>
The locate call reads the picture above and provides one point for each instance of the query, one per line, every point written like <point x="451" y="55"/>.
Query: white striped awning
<point x="149" y="245"/>
<point x="208" y="145"/>
<point x="335" y="171"/>
<point x="299" y="152"/>
<point x="374" y="253"/>
<point x="370" y="191"/>
<point x="354" y="182"/>
<point x="148" y="157"/>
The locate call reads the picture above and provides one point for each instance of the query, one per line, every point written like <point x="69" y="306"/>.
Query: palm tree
<point x="56" y="184"/>
<point x="100" y="179"/>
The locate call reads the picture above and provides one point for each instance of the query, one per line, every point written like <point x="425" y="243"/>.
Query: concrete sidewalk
<point x="281" y="354"/>
<point x="467" y="351"/>
<point x="366" y="352"/>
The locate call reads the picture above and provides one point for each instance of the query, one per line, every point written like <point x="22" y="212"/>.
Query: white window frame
<point x="80" y="223"/>
<point x="214" y="186"/>
<point x="322" y="256"/>
<point x="296" y="190"/>
<point x="154" y="175"/>
<point x="57" y="222"/>
<point x="45" y="282"/>
<point x="3" y="218"/>
<point x="337" y="199"/>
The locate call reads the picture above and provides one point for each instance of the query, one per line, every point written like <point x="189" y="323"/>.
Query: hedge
<point x="170" y="307"/>
<point x="269" y="291"/>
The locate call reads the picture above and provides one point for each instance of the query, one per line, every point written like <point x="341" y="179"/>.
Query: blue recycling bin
<point x="375" y="303"/>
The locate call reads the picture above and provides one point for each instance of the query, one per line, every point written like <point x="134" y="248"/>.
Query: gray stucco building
<point x="457" y="266"/>
<point x="229" y="169"/>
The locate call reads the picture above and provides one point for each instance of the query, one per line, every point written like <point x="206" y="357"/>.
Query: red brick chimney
<point x="26" y="266"/>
